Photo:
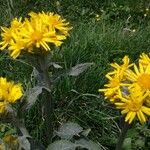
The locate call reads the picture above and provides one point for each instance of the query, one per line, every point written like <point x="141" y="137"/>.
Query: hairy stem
<point x="46" y="98"/>
<point x="122" y="136"/>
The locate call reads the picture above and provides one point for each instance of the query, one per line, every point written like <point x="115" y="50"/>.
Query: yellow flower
<point x="121" y="69"/>
<point x="16" y="47"/>
<point x="9" y="33"/>
<point x="7" y="37"/>
<point x="140" y="76"/>
<point x="112" y="88"/>
<point x="16" y="24"/>
<point x="3" y="106"/>
<point x="129" y="89"/>
<point x="35" y="34"/>
<point x="53" y="21"/>
<point x="132" y="106"/>
<point x="14" y="92"/>
<point x="144" y="59"/>
<point x="116" y="79"/>
<point x="40" y="31"/>
<point x="147" y="101"/>
<point x="11" y="141"/>
<point x="9" y="93"/>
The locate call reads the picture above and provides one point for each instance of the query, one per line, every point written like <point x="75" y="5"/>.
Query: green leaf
<point x="68" y="130"/>
<point x="127" y="144"/>
<point x="78" y="69"/>
<point x="62" y="145"/>
<point x="90" y="145"/>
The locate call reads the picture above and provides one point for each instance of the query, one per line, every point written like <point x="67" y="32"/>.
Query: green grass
<point x="77" y="98"/>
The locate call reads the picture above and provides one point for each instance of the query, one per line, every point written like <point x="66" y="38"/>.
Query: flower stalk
<point x="122" y="136"/>
<point x="42" y="69"/>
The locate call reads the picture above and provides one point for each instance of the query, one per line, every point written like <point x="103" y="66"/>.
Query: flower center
<point x="36" y="36"/>
<point x="134" y="106"/>
<point x="144" y="81"/>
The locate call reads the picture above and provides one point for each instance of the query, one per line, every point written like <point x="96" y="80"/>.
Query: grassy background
<point x="101" y="42"/>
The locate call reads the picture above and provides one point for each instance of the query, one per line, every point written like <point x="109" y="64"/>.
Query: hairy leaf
<point x="62" y="145"/>
<point x="32" y="96"/>
<point x="24" y="143"/>
<point x="78" y="69"/>
<point x="90" y="145"/>
<point x="68" y="130"/>
<point x="56" y="66"/>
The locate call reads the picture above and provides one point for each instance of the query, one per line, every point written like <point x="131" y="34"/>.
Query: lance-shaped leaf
<point x="55" y="65"/>
<point x="78" y="69"/>
<point x="68" y="130"/>
<point x="24" y="143"/>
<point x="86" y="132"/>
<point x="32" y="96"/>
<point x="62" y="145"/>
<point x="90" y="145"/>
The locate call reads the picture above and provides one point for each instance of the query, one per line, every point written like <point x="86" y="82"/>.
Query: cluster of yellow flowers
<point x="9" y="93"/>
<point x="39" y="30"/>
<point x="9" y="142"/>
<point x="128" y="88"/>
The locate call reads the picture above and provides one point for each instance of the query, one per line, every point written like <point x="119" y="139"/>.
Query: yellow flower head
<point x="120" y="70"/>
<point x="129" y="88"/>
<point x="40" y="31"/>
<point x="112" y="88"/>
<point x="3" y="106"/>
<point x="116" y="78"/>
<point x="8" y="34"/>
<point x="11" y="141"/>
<point x="132" y="106"/>
<point x="9" y="93"/>
<point x="7" y="37"/>
<point x="53" y="21"/>
<point x="140" y="76"/>
<point x="144" y="59"/>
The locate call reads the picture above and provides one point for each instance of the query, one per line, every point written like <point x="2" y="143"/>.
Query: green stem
<point x="46" y="98"/>
<point x="122" y="136"/>
<point x="19" y="123"/>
